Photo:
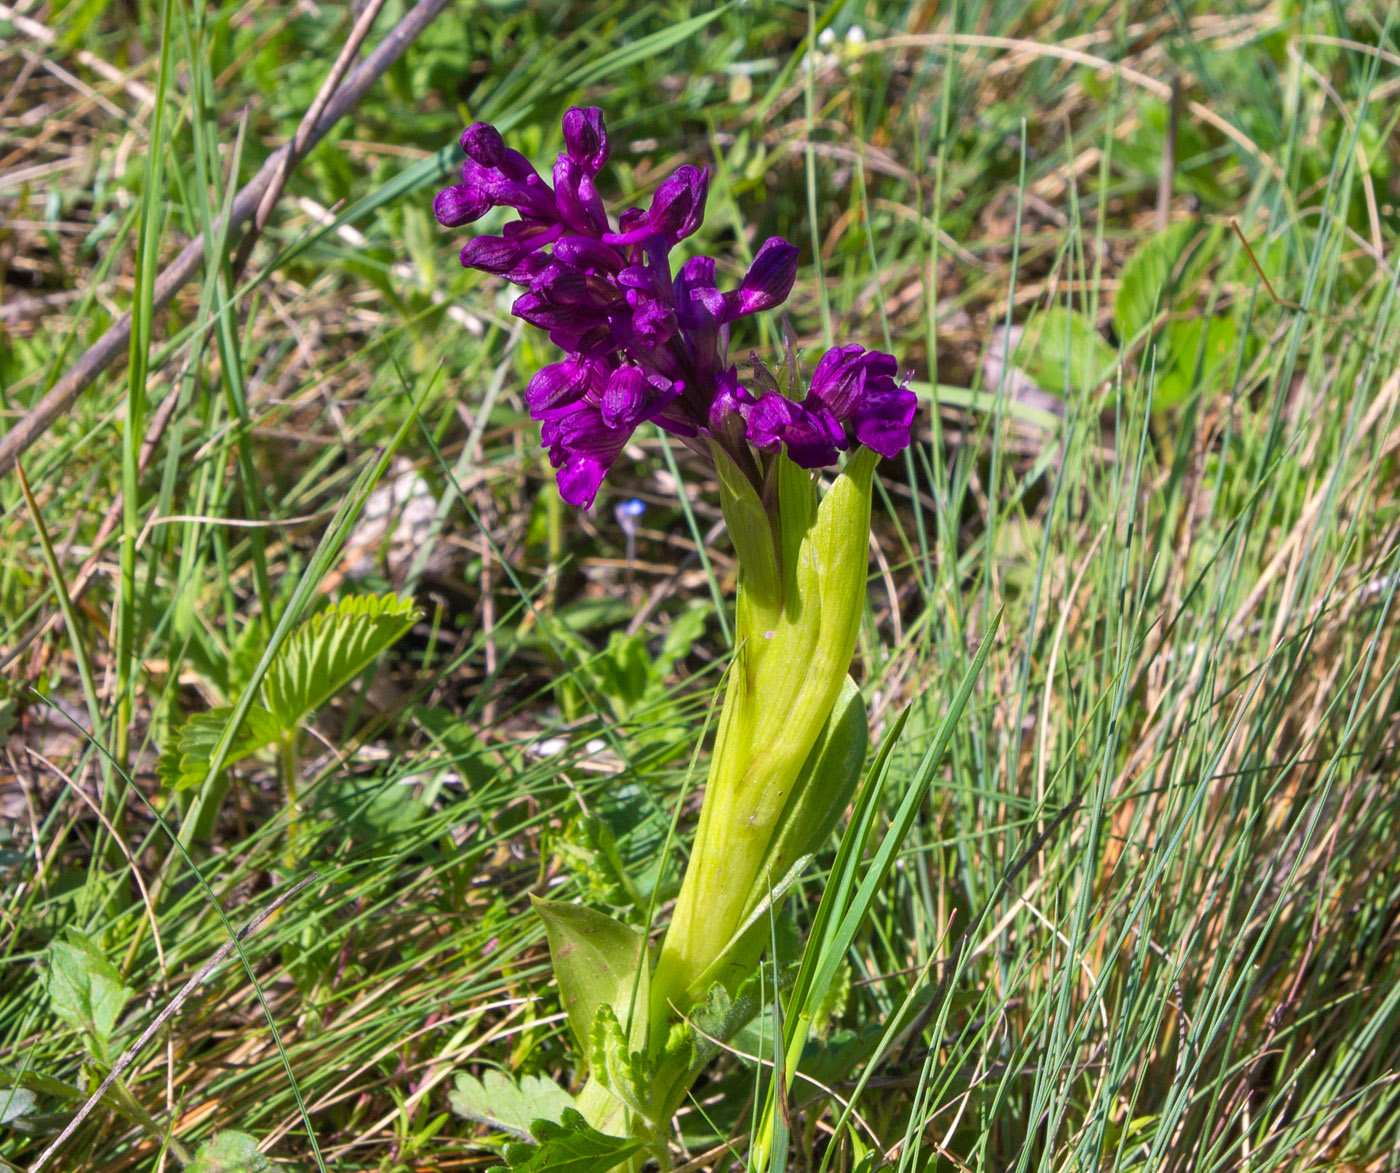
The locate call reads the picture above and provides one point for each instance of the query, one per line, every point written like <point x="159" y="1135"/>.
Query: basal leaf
<point x="331" y="649"/>
<point x="1062" y="350"/>
<point x="570" y="1146"/>
<point x="598" y="961"/>
<point x="229" y="1152"/>
<point x="509" y="1105"/>
<point x="85" y="989"/>
<point x="1198" y="353"/>
<point x="1150" y="282"/>
<point x="186" y="763"/>
<point x="15" y="1104"/>
<point x="643" y="1082"/>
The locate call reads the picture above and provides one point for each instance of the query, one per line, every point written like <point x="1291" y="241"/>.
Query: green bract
<point x="791" y="742"/>
<point x="801" y="596"/>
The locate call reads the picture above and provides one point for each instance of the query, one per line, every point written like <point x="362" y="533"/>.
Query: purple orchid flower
<point x="641" y="343"/>
<point x="853" y="397"/>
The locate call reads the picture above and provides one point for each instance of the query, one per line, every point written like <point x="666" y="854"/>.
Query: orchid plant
<point x="645" y="344"/>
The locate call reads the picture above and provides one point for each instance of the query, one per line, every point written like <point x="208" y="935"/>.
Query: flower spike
<point x="644" y="343"/>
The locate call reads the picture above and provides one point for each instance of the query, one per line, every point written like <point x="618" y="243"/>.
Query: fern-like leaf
<point x="331" y="649"/>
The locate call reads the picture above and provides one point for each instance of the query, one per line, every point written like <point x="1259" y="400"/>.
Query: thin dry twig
<point x="300" y="143"/>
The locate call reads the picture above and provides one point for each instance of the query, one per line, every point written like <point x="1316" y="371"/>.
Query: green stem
<point x="796" y="637"/>
<point x="147" y="1121"/>
<point x="289" y="766"/>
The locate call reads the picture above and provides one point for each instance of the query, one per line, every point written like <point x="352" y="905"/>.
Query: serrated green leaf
<point x="331" y="649"/>
<point x="85" y="989"/>
<point x="721" y="1015"/>
<point x="833" y="1003"/>
<point x="186" y="763"/>
<point x="507" y="1105"/>
<point x="644" y="1083"/>
<point x="1150" y="281"/>
<point x="570" y="1146"/>
<point x="615" y="1065"/>
<point x="229" y="1152"/>
<point x="1062" y="350"/>
<point x="598" y="961"/>
<point x="1200" y="353"/>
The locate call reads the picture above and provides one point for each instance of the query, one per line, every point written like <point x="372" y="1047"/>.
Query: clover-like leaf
<point x="509" y="1105"/>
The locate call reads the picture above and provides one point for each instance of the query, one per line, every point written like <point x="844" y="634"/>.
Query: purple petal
<point x="836" y="379"/>
<point x="576" y="199"/>
<point x="460" y="204"/>
<point x="847" y="375"/>
<point x="586" y="138"/>
<point x="539" y="311"/>
<point x="696" y="274"/>
<point x="585" y="252"/>
<point x="508" y="252"/>
<point x="678" y="207"/>
<point x="579" y="479"/>
<point x="582" y="336"/>
<point x="697" y="300"/>
<point x="625" y="400"/>
<point x="769" y="420"/>
<point x="483" y="142"/>
<point x="560" y="285"/>
<point x="883" y="421"/>
<point x="815" y="438"/>
<point x="731" y="399"/>
<point x="672" y="202"/>
<point x="530" y="196"/>
<point x="811" y="435"/>
<point x="768" y="281"/>
<point x="561" y="384"/>
<point x="700" y="193"/>
<point x="584" y="432"/>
